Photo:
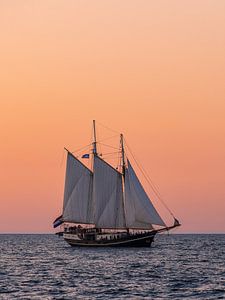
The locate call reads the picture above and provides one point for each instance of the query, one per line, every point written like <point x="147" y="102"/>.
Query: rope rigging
<point x="83" y="148"/>
<point x="108" y="128"/>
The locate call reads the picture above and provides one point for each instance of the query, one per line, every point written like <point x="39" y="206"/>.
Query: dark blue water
<point x="175" y="267"/>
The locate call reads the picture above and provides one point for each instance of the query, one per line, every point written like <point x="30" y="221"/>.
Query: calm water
<point x="175" y="267"/>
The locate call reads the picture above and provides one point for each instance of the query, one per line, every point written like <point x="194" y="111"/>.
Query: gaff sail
<point x="77" y="204"/>
<point x="107" y="195"/>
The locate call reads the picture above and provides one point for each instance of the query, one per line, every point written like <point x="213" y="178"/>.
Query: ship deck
<point x="110" y="240"/>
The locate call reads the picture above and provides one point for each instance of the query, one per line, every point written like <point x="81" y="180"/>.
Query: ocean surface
<point x="175" y="267"/>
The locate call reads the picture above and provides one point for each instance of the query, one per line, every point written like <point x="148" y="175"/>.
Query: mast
<point x="92" y="162"/>
<point x="123" y="155"/>
<point x="123" y="176"/>
<point x="94" y="143"/>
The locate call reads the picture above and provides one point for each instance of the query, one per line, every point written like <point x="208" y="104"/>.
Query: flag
<point x="85" y="156"/>
<point x="58" y="221"/>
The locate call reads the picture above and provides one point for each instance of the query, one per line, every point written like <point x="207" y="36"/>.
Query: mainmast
<point x="123" y="176"/>
<point x="123" y="155"/>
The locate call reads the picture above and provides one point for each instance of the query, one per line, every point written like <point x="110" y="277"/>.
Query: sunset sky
<point x="154" y="70"/>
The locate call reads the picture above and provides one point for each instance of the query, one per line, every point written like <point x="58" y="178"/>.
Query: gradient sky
<point x="154" y="70"/>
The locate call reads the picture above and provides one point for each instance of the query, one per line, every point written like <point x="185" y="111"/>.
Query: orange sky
<point x="154" y="70"/>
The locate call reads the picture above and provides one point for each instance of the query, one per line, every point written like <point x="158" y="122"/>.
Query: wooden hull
<point x="140" y="240"/>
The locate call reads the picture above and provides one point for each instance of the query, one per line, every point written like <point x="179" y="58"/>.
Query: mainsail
<point x="77" y="205"/>
<point x="140" y="212"/>
<point x="107" y="195"/>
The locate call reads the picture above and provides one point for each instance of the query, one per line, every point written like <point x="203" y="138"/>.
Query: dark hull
<point x="130" y="241"/>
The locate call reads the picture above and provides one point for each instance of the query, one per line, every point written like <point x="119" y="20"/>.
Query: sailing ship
<point x="105" y="206"/>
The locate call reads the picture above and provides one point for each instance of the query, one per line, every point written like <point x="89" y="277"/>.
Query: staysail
<point x="140" y="212"/>
<point x="107" y="195"/>
<point x="77" y="205"/>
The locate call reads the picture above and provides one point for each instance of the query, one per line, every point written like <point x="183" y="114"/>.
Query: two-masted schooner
<point x="107" y="207"/>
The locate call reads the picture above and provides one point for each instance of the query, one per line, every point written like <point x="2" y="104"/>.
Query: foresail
<point x="77" y="206"/>
<point x="107" y="196"/>
<point x="140" y="212"/>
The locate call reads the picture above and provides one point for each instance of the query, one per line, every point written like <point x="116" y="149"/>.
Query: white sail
<point x="77" y="206"/>
<point x="107" y="195"/>
<point x="140" y="212"/>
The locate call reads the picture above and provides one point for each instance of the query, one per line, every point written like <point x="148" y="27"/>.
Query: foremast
<point x="95" y="140"/>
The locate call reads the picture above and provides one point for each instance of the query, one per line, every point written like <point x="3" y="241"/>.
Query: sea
<point x="177" y="266"/>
